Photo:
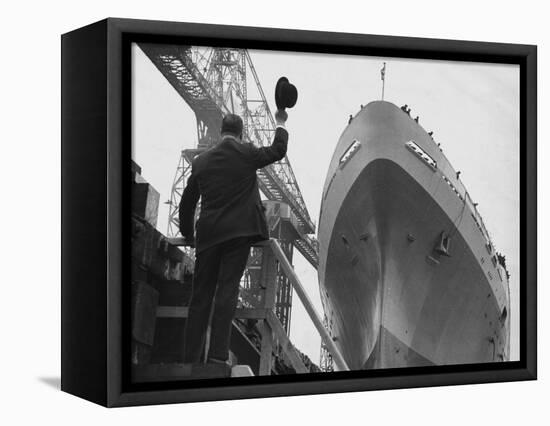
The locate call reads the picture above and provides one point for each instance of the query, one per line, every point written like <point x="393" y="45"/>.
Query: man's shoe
<point x="216" y="361"/>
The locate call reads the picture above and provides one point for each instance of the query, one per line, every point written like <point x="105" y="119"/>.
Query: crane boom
<point x="213" y="82"/>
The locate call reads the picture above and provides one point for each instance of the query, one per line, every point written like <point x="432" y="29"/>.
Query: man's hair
<point x="232" y="124"/>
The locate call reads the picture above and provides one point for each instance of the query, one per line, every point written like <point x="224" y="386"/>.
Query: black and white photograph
<point x="279" y="213"/>
<point x="310" y="213"/>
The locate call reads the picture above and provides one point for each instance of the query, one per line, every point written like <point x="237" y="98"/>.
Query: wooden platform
<point x="176" y="372"/>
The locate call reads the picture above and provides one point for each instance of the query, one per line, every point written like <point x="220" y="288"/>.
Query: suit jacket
<point x="224" y="177"/>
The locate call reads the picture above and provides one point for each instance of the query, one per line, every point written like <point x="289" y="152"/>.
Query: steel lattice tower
<point x="217" y="81"/>
<point x="214" y="82"/>
<point x="326" y="362"/>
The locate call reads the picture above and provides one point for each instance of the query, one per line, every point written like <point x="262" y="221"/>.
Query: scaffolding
<point x="326" y="362"/>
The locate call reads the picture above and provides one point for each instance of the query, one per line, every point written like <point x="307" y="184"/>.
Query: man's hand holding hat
<point x="286" y="96"/>
<point x="280" y="118"/>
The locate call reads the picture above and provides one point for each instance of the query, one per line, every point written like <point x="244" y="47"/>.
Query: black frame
<point x="96" y="100"/>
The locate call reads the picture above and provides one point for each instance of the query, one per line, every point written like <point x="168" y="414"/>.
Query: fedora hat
<point x="286" y="94"/>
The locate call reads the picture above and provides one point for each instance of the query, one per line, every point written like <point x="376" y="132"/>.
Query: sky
<point x="472" y="108"/>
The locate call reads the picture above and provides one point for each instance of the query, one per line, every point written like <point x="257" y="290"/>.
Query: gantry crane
<point x="213" y="82"/>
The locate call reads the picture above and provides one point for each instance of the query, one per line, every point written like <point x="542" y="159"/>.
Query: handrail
<point x="306" y="301"/>
<point x="302" y="294"/>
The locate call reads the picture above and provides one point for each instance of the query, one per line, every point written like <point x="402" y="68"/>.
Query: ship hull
<point x="393" y="299"/>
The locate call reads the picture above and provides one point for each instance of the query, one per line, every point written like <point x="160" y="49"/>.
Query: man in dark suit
<point x="231" y="219"/>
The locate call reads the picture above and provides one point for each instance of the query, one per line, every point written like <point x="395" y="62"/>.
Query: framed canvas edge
<point x="529" y="109"/>
<point x="315" y="387"/>
<point x="525" y="55"/>
<point x="83" y="196"/>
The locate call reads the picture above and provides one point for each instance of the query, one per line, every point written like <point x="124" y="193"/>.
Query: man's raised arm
<point x="270" y="154"/>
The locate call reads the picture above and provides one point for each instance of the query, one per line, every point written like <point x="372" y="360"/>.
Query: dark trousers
<point x="218" y="271"/>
